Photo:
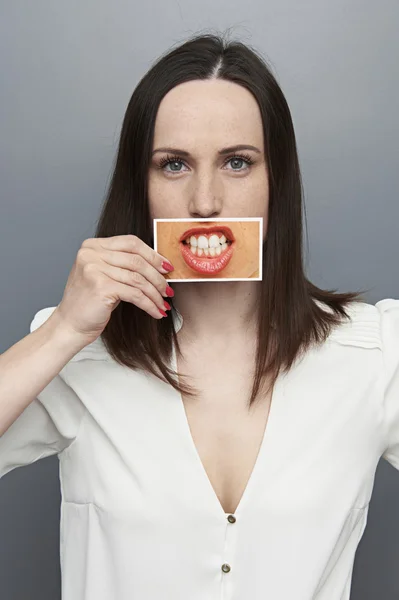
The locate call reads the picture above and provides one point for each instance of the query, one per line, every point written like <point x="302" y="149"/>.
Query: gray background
<point x="68" y="70"/>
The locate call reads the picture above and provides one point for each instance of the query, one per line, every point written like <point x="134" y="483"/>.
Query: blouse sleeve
<point x="389" y="311"/>
<point x="47" y="426"/>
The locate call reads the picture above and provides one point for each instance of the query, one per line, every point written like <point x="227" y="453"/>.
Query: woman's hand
<point x="106" y="271"/>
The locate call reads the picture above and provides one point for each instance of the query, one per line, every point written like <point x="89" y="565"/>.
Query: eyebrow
<point x="222" y="152"/>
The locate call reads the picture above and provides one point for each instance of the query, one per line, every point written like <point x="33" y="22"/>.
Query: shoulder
<point x="368" y="325"/>
<point x="388" y="305"/>
<point x="388" y="312"/>
<point x="94" y="351"/>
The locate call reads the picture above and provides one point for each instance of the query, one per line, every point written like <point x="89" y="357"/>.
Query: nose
<point x="206" y="198"/>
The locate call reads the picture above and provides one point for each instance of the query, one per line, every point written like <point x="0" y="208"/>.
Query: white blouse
<point x="139" y="517"/>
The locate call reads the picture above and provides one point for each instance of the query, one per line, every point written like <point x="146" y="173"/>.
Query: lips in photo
<point x="207" y="249"/>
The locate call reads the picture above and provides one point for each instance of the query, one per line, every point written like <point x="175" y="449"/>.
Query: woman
<point x="249" y="475"/>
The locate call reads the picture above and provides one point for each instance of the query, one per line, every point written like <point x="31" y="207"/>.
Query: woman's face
<point x="195" y="171"/>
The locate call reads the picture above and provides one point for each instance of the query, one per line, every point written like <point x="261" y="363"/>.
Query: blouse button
<point x="226" y="568"/>
<point x="231" y="519"/>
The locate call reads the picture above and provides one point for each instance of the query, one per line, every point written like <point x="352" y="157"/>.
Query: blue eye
<point x="174" y="162"/>
<point x="239" y="160"/>
<point x="171" y="161"/>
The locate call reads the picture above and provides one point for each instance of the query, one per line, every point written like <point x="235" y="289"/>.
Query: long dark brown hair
<point x="290" y="318"/>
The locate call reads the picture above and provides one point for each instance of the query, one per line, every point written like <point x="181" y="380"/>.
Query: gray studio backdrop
<point x="67" y="72"/>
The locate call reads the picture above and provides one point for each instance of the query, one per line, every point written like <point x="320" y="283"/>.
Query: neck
<point x="225" y="309"/>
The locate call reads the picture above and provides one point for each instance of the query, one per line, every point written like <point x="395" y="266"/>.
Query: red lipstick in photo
<point x="207" y="249"/>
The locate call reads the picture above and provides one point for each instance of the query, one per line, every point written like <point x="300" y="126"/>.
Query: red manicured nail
<point x="167" y="305"/>
<point x="169" y="291"/>
<point x="167" y="266"/>
<point x="163" y="313"/>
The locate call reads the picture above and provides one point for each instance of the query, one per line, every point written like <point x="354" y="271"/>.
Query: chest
<point x="226" y="434"/>
<point x="312" y="446"/>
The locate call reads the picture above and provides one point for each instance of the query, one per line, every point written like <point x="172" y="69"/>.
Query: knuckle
<point x="133" y="241"/>
<point x="82" y="255"/>
<point x="136" y="261"/>
<point x="136" y="294"/>
<point x="160" y="287"/>
<point x="87" y="243"/>
<point x="135" y="277"/>
<point x="89" y="269"/>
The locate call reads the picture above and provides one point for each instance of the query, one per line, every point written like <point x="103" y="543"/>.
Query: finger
<point x="134" y="245"/>
<point x="135" y="296"/>
<point x="134" y="279"/>
<point x="136" y="263"/>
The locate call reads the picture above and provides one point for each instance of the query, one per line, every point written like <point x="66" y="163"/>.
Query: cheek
<point x="250" y="196"/>
<point x="157" y="200"/>
<point x="165" y="201"/>
<point x="250" y="203"/>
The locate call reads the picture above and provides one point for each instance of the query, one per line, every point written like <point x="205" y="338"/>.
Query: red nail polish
<point x="167" y="305"/>
<point x="169" y="291"/>
<point x="167" y="266"/>
<point x="163" y="313"/>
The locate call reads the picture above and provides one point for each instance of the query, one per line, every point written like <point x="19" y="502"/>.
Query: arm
<point x="29" y="365"/>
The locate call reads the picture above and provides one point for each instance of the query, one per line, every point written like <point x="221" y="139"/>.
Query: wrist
<point x="64" y="336"/>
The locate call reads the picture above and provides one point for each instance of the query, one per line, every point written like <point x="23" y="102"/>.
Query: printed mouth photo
<point x="204" y="250"/>
<point x="207" y="249"/>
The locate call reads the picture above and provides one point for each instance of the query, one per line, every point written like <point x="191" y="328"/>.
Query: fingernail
<point x="167" y="306"/>
<point x="169" y="291"/>
<point x="163" y="313"/>
<point x="167" y="266"/>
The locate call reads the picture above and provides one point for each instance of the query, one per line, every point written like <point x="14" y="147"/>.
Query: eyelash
<point x="170" y="159"/>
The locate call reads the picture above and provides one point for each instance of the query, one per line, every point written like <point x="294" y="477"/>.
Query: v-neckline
<point x="260" y="458"/>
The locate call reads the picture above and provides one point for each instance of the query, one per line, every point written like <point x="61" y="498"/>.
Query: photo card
<point x="211" y="250"/>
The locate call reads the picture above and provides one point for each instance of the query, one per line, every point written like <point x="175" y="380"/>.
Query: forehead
<point x="210" y="110"/>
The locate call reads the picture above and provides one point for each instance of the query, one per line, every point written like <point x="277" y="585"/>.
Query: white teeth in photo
<point x="208" y="251"/>
<point x="215" y="242"/>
